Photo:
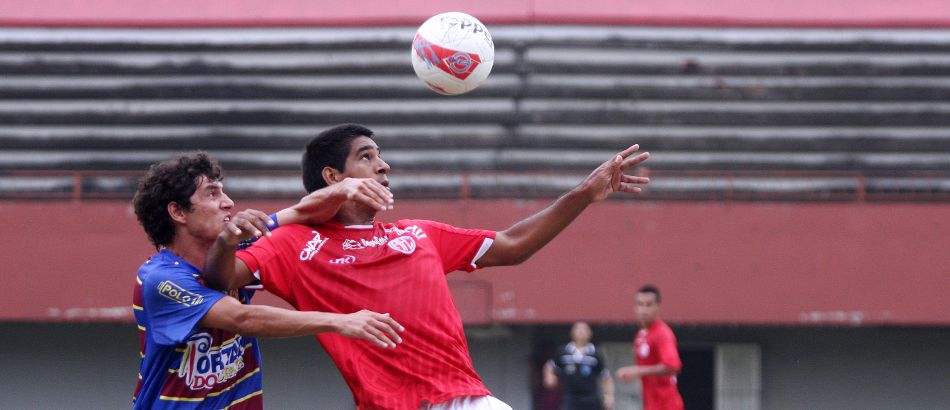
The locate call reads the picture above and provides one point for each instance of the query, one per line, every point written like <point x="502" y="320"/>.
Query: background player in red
<point x="355" y="262"/>
<point x="197" y="344"/>
<point x="658" y="360"/>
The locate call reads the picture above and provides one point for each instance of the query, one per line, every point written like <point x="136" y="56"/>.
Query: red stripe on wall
<point x="717" y="263"/>
<point x="262" y="13"/>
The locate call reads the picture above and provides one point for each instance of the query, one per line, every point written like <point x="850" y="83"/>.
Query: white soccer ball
<point x="452" y="53"/>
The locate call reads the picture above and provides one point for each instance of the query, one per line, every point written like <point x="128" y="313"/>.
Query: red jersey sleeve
<point x="459" y="248"/>
<point x="666" y="349"/>
<point x="267" y="259"/>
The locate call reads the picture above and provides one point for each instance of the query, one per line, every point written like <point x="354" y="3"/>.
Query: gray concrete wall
<point x="84" y="366"/>
<point x="844" y="368"/>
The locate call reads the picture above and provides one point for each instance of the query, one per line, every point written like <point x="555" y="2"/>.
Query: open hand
<point x="610" y="176"/>
<point x="628" y="374"/>
<point x="378" y="328"/>
<point x="366" y="191"/>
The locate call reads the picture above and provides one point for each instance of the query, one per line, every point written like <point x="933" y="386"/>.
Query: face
<point x="647" y="307"/>
<point x="210" y="210"/>
<point x="581" y="333"/>
<point x="365" y="161"/>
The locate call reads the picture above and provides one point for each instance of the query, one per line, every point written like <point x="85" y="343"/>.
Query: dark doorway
<point x="697" y="379"/>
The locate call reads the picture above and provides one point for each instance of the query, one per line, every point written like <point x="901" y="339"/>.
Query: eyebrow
<point x="214" y="186"/>
<point x="366" y="148"/>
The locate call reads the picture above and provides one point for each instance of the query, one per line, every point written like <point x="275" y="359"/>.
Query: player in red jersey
<point x="356" y="262"/>
<point x="658" y="361"/>
<point x="197" y="345"/>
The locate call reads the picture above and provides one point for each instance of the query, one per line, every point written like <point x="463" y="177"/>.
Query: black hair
<point x="650" y="289"/>
<point x="174" y="180"/>
<point x="329" y="149"/>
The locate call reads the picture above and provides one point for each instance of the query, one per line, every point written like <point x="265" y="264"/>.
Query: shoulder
<point x="662" y="331"/>
<point x="158" y="270"/>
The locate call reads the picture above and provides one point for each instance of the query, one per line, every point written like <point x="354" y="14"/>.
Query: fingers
<point x="372" y="193"/>
<point x="388" y="327"/>
<point x="379" y="328"/>
<point x="632" y="179"/>
<point x="627" y="152"/>
<point x="248" y="223"/>
<point x="629" y="162"/>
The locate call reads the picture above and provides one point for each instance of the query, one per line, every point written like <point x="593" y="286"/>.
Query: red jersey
<point x="396" y="268"/>
<point x="656" y="345"/>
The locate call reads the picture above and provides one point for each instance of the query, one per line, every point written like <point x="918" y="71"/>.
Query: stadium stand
<point x="748" y="114"/>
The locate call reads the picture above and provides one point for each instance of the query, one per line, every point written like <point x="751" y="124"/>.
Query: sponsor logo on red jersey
<point x="313" y="246"/>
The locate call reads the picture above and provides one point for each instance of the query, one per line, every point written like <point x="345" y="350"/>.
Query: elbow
<point x="516" y="255"/>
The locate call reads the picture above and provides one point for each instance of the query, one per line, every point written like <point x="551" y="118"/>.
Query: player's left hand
<point x="610" y="176"/>
<point x="247" y="224"/>
<point x="628" y="374"/>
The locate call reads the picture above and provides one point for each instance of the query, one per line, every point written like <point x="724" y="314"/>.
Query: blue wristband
<point x="248" y="242"/>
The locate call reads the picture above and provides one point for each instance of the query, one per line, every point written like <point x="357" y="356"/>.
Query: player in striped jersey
<point x="198" y="345"/>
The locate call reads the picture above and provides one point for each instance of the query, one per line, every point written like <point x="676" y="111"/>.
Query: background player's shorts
<point x="469" y="403"/>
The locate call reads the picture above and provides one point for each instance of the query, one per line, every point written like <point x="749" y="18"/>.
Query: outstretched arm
<point x="629" y="373"/>
<point x="321" y="205"/>
<point x="267" y="321"/>
<point x="517" y="243"/>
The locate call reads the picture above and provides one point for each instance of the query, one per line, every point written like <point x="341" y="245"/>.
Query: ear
<point x="176" y="212"/>
<point x="330" y="175"/>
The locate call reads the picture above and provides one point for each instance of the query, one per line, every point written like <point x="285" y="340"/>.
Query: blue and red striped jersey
<point x="185" y="366"/>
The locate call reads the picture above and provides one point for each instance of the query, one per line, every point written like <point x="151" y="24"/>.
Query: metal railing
<point x="739" y="185"/>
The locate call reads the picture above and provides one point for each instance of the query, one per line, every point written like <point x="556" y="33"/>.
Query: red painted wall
<point x="183" y="13"/>
<point x="717" y="263"/>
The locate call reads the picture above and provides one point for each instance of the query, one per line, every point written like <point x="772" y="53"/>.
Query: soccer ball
<point x="452" y="53"/>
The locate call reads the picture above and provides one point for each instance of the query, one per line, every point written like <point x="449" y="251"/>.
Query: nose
<point x="383" y="167"/>
<point x="226" y="202"/>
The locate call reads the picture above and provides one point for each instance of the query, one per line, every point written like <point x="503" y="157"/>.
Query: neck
<point x="190" y="249"/>
<point x="645" y="325"/>
<point x="355" y="214"/>
<point x="580" y="345"/>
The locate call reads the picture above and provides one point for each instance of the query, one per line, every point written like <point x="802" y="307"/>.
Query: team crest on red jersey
<point x="403" y="244"/>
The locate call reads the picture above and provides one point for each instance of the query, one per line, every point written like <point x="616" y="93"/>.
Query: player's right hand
<point x="378" y="328"/>
<point x="247" y="224"/>
<point x="366" y="191"/>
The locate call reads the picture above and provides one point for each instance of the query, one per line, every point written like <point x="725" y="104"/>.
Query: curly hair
<point x="173" y="180"/>
<point x="329" y="149"/>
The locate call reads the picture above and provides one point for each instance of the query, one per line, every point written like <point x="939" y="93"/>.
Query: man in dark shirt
<point x="581" y="371"/>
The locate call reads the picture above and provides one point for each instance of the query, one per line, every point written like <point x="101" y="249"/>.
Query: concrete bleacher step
<point x="237" y="87"/>
<point x="288" y="137"/>
<point x="734" y="113"/>
<point x="612" y="86"/>
<point x="586" y="60"/>
<point x="284" y="62"/>
<point x="438" y="112"/>
<point x="231" y="112"/>
<point x="511" y="160"/>
<point x="736" y="138"/>
<point x="742" y="88"/>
